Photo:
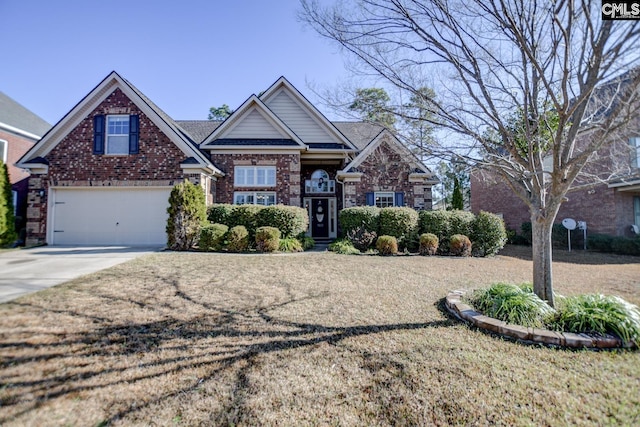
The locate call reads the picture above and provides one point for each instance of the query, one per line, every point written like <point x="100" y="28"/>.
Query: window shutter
<point x="399" y="199"/>
<point x="371" y="200"/>
<point x="98" y="134"/>
<point x="134" y="134"/>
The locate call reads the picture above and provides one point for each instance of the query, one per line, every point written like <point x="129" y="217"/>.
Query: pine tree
<point x="7" y="219"/>
<point x="457" y="202"/>
<point x="187" y="212"/>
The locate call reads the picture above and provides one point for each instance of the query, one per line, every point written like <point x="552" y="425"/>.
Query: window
<point x="265" y="198"/>
<point x="255" y="176"/>
<point x="119" y="133"/>
<point x="320" y="183"/>
<point x="384" y="200"/>
<point x="635" y="151"/>
<point x="3" y="151"/>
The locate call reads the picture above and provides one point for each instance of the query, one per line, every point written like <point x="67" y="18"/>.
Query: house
<point x="20" y="129"/>
<point x="609" y="205"/>
<point x="103" y="173"/>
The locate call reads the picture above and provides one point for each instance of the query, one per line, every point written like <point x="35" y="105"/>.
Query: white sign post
<point x="569" y="224"/>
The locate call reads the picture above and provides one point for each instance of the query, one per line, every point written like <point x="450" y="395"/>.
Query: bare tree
<point x="488" y="60"/>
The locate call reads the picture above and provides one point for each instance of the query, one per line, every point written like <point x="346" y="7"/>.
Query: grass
<point x="303" y="339"/>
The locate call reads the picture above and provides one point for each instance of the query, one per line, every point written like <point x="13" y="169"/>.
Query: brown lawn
<point x="303" y="339"/>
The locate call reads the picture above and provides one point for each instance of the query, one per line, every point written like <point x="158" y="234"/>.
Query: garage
<point x="108" y="216"/>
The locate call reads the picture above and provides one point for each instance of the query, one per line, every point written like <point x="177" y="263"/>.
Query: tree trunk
<point x="541" y="228"/>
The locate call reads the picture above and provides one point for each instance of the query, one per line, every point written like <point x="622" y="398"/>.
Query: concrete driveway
<point x="30" y="270"/>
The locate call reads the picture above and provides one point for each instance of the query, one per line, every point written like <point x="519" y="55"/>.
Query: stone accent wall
<point x="288" y="190"/>
<point x="386" y="169"/>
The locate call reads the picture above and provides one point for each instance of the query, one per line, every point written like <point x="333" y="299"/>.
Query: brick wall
<point x="385" y="169"/>
<point x="73" y="164"/>
<point x="288" y="182"/>
<point x="605" y="210"/>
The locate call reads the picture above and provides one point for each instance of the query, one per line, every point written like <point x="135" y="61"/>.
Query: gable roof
<point x="91" y="101"/>
<point x="386" y="135"/>
<point x="283" y="86"/>
<point x="253" y="109"/>
<point x="359" y="133"/>
<point x="18" y="119"/>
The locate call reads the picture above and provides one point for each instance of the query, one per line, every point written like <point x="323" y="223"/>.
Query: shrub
<point x="187" y="213"/>
<point x="8" y="233"/>
<point x="625" y="246"/>
<point x="512" y="304"/>
<point x="221" y="213"/>
<point x="387" y="245"/>
<point x="359" y="216"/>
<point x="600" y="242"/>
<point x="428" y="244"/>
<point x="361" y="238"/>
<point x="598" y="314"/>
<point x="459" y="245"/>
<point x="344" y="247"/>
<point x="444" y="224"/>
<point x="401" y="223"/>
<point x="247" y="216"/>
<point x="267" y="239"/>
<point x="238" y="239"/>
<point x="488" y="234"/>
<point x="306" y="241"/>
<point x="290" y="220"/>
<point x="290" y="244"/>
<point x="212" y="237"/>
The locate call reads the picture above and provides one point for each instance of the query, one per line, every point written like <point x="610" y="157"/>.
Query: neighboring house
<point x="19" y="130"/>
<point x="611" y="206"/>
<point x="103" y="174"/>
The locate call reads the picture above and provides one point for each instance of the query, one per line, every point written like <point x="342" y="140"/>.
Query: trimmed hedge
<point x="212" y="237"/>
<point x="428" y="244"/>
<point x="267" y="239"/>
<point x="387" y="245"/>
<point x="247" y="216"/>
<point x="445" y="224"/>
<point x="399" y="222"/>
<point x="360" y="216"/>
<point x="221" y="213"/>
<point x="290" y="220"/>
<point x="459" y="245"/>
<point x="488" y="234"/>
<point x="614" y="244"/>
<point x="187" y="213"/>
<point x="238" y="239"/>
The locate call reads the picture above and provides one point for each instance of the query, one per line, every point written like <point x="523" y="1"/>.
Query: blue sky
<point x="185" y="55"/>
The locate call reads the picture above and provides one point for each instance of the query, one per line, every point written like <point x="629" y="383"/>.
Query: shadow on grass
<point x="227" y="340"/>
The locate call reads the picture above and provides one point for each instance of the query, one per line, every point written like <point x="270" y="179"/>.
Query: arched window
<point x="320" y="183"/>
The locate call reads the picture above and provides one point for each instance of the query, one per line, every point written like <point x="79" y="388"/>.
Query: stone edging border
<point x="455" y="306"/>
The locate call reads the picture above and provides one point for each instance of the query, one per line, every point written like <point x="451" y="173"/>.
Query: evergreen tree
<point x="372" y="104"/>
<point x="457" y="202"/>
<point x="7" y="219"/>
<point x="187" y="213"/>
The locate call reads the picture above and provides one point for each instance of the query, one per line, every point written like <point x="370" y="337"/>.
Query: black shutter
<point x="134" y="134"/>
<point x="98" y="134"/>
<point x="399" y="199"/>
<point x="371" y="199"/>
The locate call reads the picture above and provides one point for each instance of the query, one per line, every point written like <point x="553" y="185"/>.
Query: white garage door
<point x="131" y="216"/>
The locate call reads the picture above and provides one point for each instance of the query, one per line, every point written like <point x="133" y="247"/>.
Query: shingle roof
<point x="359" y="133"/>
<point x="17" y="116"/>
<point x="198" y="129"/>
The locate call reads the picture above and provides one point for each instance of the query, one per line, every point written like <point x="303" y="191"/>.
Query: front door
<point x="319" y="218"/>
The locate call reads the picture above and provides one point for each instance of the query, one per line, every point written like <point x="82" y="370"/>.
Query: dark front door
<point x="320" y="218"/>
